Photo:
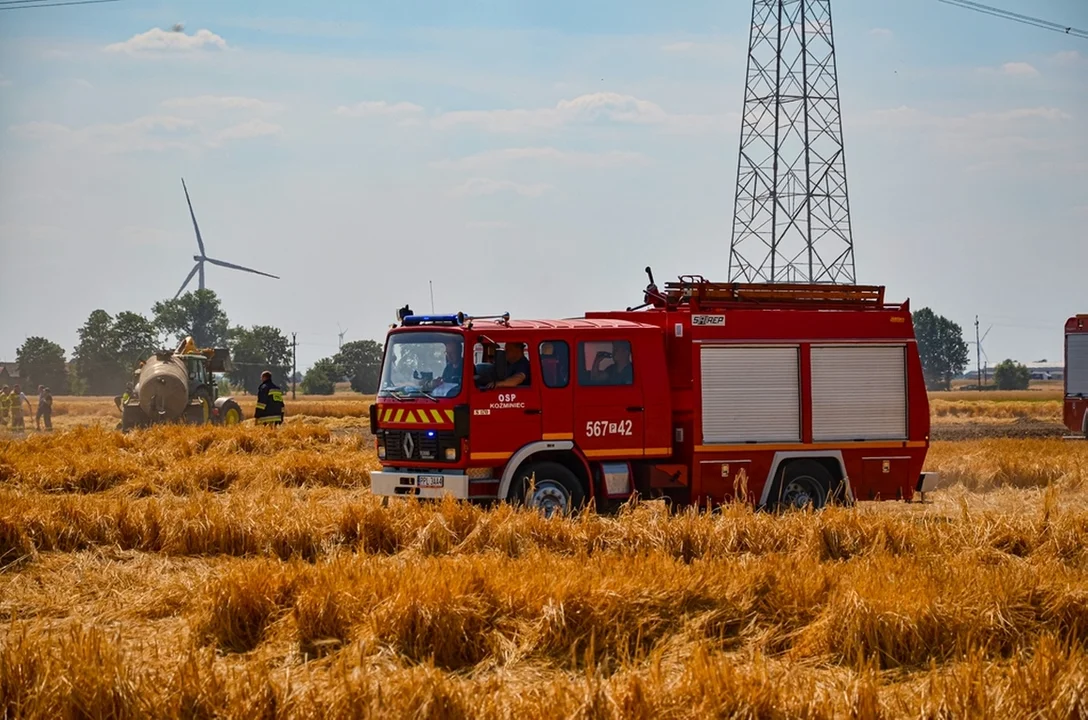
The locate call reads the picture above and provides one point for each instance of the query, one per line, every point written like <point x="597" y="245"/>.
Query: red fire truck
<point x="1076" y="375"/>
<point x="777" y="394"/>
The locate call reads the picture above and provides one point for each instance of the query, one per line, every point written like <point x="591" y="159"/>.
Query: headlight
<point x="381" y="451"/>
<point x="451" y="453"/>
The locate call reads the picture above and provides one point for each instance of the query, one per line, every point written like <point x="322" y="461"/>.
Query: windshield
<point x="423" y="364"/>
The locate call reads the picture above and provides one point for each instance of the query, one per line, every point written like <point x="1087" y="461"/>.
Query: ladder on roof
<point x="700" y="292"/>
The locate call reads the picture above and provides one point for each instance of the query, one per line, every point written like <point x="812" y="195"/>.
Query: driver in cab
<point x="517" y="368"/>
<point x="455" y="365"/>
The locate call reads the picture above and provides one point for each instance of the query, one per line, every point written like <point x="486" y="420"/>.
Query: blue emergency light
<point x="413" y="320"/>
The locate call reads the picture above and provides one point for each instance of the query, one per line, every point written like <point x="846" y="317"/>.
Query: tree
<point x="96" y="355"/>
<point x="197" y="314"/>
<point x="1011" y="375"/>
<point x="941" y="347"/>
<point x="361" y="361"/>
<point x="135" y="339"/>
<point x="41" y="362"/>
<point x="256" y="349"/>
<point x="110" y="348"/>
<point x="321" y="378"/>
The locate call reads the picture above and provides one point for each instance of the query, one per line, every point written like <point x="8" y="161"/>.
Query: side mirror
<point x="373" y="417"/>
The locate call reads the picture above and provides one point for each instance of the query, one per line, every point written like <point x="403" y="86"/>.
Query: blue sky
<point x="529" y="157"/>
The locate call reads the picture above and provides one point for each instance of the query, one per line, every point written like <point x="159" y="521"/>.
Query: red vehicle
<point x="783" y="395"/>
<point x="1075" y="412"/>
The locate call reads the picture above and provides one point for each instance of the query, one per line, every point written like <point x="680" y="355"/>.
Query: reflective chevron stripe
<point x="417" y="416"/>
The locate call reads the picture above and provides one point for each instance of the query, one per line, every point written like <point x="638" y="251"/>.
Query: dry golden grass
<point x="242" y="572"/>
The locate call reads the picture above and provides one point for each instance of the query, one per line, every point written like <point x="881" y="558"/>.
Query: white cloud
<point x="250" y="129"/>
<point x="1019" y="69"/>
<point x="379" y="108"/>
<point x="881" y="32"/>
<point x="678" y="47"/>
<point x="85" y="84"/>
<point x="501" y="157"/>
<point x="4" y="82"/>
<point x="150" y="132"/>
<point x="154" y="133"/>
<point x="157" y="39"/>
<point x="1068" y="57"/>
<point x="588" y="108"/>
<point x="219" y="102"/>
<point x="488" y="225"/>
<point x="488" y="186"/>
<point x="908" y="117"/>
<point x="997" y="137"/>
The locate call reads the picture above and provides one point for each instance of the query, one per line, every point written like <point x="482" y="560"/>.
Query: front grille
<point x="418" y="445"/>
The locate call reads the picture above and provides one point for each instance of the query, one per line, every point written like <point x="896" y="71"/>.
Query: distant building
<point x="9" y="373"/>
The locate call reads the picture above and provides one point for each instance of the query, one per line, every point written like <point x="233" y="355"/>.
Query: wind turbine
<point x="203" y="256"/>
<point x="342" y="333"/>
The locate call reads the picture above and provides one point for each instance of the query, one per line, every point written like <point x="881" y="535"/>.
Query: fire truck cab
<point x="708" y="392"/>
<point x="1075" y="411"/>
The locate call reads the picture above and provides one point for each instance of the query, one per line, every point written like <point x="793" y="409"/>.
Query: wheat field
<point x="247" y="572"/>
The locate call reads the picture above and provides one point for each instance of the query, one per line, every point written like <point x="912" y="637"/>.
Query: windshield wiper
<point x="400" y="395"/>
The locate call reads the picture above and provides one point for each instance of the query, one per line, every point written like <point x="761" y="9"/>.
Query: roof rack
<point x="700" y="293"/>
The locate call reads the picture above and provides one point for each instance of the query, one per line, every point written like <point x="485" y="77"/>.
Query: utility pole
<point x="294" y="363"/>
<point x="978" y="355"/>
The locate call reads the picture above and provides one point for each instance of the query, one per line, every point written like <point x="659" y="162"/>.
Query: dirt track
<point x="1019" y="428"/>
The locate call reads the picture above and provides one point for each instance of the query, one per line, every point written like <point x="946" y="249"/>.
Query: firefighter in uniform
<point x="270" y="408"/>
<point x="5" y="407"/>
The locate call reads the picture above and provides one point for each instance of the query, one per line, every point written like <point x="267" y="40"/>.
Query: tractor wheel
<point x="199" y="411"/>
<point x="230" y="413"/>
<point x="547" y="486"/>
<point x="803" y="483"/>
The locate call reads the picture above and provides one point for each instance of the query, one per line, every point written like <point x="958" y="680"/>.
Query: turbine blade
<point x="221" y="263"/>
<point x="199" y="240"/>
<point x="187" y="279"/>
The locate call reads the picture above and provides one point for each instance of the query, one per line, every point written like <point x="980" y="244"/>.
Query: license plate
<point x="430" y="481"/>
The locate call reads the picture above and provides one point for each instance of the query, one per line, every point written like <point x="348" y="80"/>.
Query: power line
<point x="1017" y="17"/>
<point x="27" y="4"/>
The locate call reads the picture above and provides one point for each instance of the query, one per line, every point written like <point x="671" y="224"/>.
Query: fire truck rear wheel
<point x="547" y="486"/>
<point x="804" y="483"/>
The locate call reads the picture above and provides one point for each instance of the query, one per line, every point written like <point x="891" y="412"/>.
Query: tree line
<point x="944" y="355"/>
<point x="110" y="347"/>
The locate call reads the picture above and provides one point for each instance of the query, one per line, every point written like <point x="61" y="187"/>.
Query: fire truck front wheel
<point x="547" y="486"/>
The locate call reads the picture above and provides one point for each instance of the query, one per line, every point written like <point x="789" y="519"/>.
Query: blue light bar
<point x="411" y="320"/>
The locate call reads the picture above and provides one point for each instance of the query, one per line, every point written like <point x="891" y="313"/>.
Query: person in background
<point x="270" y="408"/>
<point x="38" y="412"/>
<point x="45" y="409"/>
<point x="18" y="397"/>
<point x="5" y="406"/>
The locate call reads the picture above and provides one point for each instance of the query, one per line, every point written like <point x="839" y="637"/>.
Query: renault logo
<point x="408" y="445"/>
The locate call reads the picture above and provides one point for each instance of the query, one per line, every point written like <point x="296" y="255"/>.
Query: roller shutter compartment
<point x="859" y="392"/>
<point x="1076" y="364"/>
<point x="750" y="394"/>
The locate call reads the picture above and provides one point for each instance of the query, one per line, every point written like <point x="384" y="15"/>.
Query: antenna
<point x="431" y="285"/>
<point x="791" y="215"/>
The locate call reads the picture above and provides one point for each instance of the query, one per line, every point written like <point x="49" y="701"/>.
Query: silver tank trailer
<point x="164" y="388"/>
